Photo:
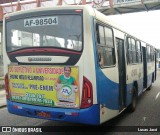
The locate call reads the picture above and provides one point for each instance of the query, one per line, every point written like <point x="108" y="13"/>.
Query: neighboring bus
<point x="72" y="64"/>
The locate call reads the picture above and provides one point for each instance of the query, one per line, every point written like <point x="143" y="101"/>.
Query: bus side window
<point x="105" y="46"/>
<point x="148" y="53"/>
<point x="129" y="51"/>
<point x="133" y="50"/>
<point x="97" y="35"/>
<point x="138" y="51"/>
<point x="152" y="54"/>
<point x="100" y="44"/>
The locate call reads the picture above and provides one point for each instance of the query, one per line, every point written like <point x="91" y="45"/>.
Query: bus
<point x="72" y="64"/>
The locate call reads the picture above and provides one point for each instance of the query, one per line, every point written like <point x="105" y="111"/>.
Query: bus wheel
<point x="149" y="88"/>
<point x="132" y="106"/>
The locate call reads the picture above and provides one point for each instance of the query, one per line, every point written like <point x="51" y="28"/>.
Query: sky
<point x="143" y="25"/>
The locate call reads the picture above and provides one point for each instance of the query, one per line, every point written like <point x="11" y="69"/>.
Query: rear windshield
<point x="62" y="31"/>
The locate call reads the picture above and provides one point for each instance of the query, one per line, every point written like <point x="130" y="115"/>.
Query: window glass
<point x="152" y="54"/>
<point x="139" y="52"/>
<point x="105" y="46"/>
<point x="109" y="37"/>
<point x="133" y="44"/>
<point x="129" y="50"/>
<point x="134" y="54"/>
<point x="129" y="44"/>
<point x="148" y="53"/>
<point x="101" y="35"/>
<point x="48" y="31"/>
<point x="133" y="51"/>
<point x="138" y="45"/>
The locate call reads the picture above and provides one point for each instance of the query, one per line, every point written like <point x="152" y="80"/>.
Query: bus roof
<point x="65" y="7"/>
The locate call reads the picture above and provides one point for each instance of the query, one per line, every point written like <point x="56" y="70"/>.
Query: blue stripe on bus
<point x="108" y="91"/>
<point x="87" y="116"/>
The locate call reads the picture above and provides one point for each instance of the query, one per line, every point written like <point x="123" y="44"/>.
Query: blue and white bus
<point x="109" y="67"/>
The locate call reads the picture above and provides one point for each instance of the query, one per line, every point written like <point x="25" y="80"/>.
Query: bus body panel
<point x="89" y="57"/>
<point x="109" y="96"/>
<point x="109" y="90"/>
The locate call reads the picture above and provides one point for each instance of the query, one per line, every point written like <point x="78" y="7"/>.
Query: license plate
<point x="42" y="21"/>
<point x="43" y="114"/>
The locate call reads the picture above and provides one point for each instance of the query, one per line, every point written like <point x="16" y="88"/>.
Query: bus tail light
<point x="7" y="87"/>
<point x="87" y="93"/>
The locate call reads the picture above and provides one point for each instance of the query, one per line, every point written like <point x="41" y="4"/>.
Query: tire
<point x="132" y="106"/>
<point x="149" y="88"/>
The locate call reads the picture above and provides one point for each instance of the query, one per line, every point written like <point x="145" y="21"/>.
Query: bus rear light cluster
<point x="7" y="87"/>
<point x="87" y="94"/>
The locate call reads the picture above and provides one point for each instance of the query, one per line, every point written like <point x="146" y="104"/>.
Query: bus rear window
<point x="62" y="31"/>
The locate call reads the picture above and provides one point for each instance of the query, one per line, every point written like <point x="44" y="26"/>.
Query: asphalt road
<point x="147" y="114"/>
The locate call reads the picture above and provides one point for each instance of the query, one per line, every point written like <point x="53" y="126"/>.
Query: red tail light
<point x="87" y="94"/>
<point x="7" y="87"/>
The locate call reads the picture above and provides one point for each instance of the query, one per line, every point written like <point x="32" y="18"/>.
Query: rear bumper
<point x="89" y="115"/>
